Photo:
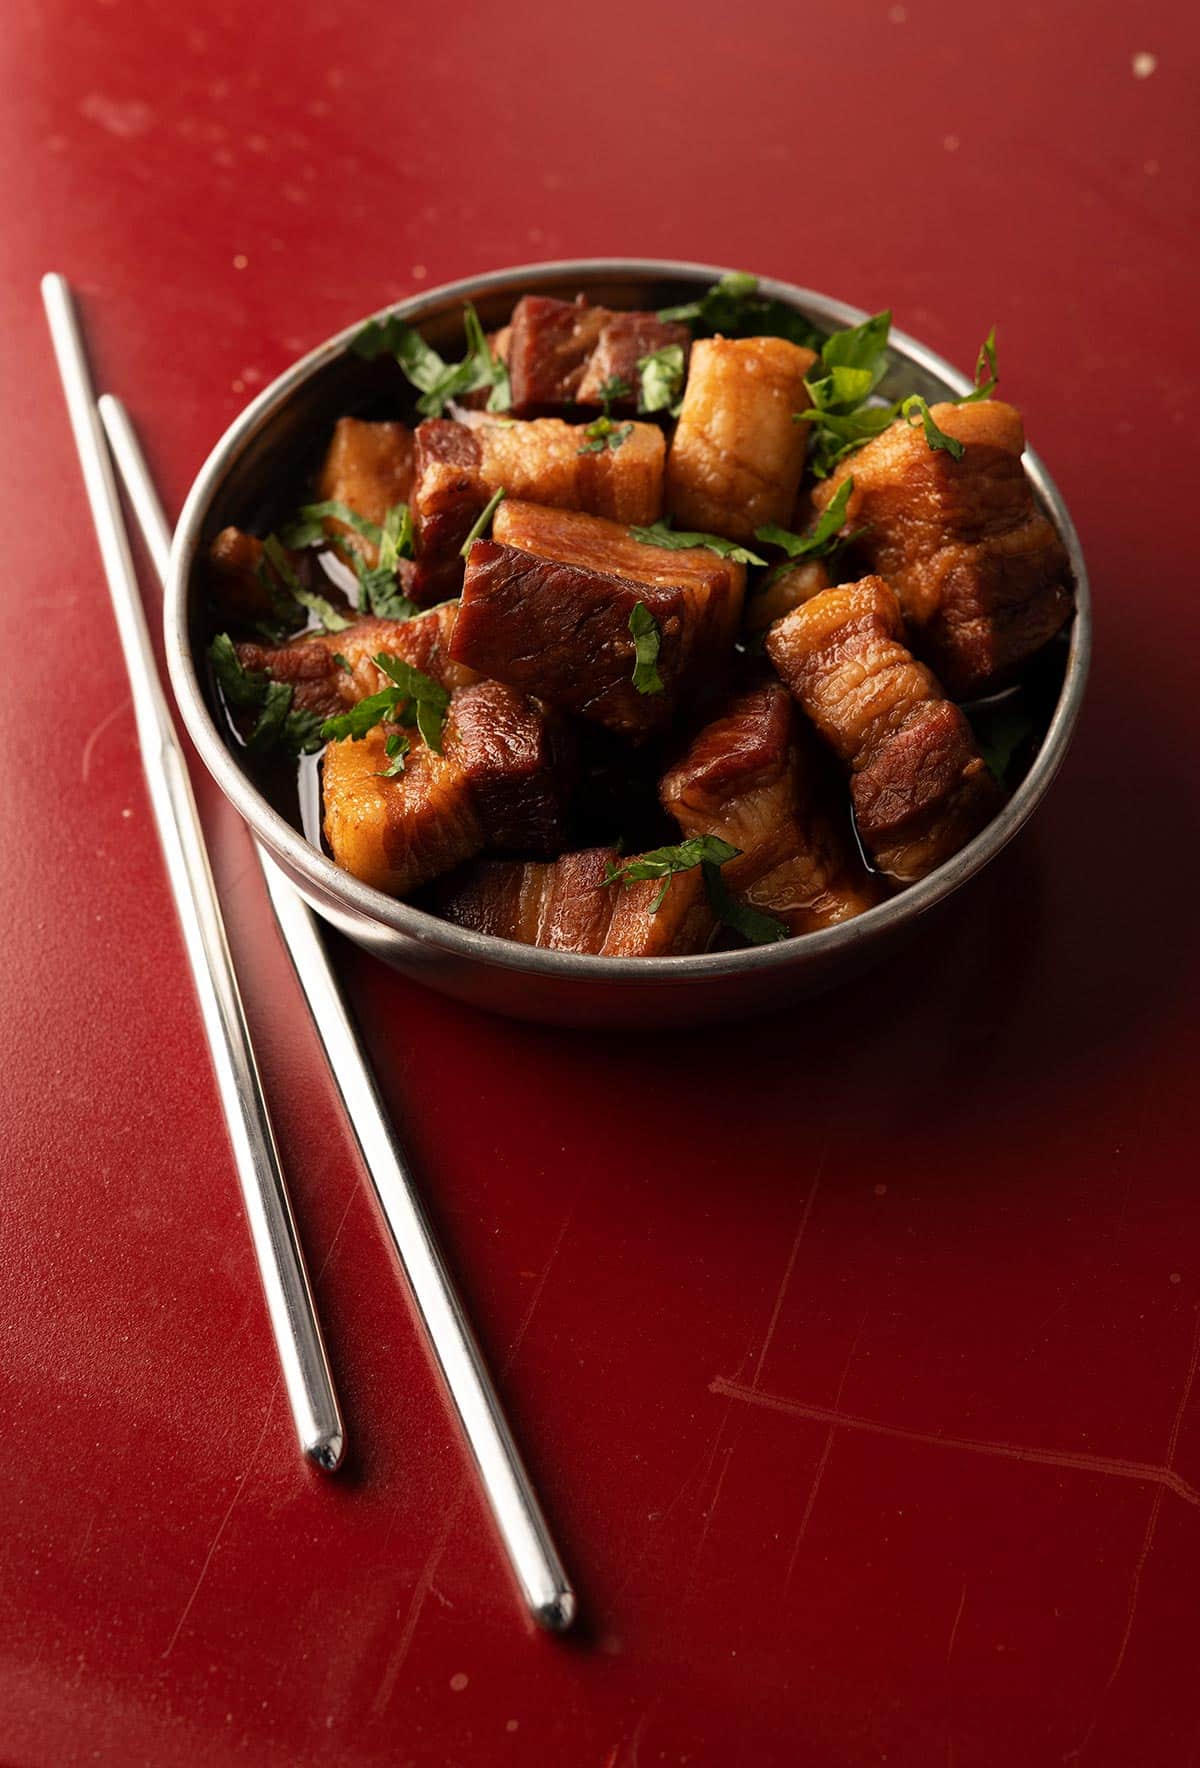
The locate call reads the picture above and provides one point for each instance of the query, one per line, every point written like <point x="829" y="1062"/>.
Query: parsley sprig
<point x="680" y="540"/>
<point x="378" y="584"/>
<point x="753" y="924"/>
<point x="602" y="433"/>
<point x="292" y="588"/>
<point x="647" y="641"/>
<point x="660" y="375"/>
<point x="987" y="371"/>
<point x="252" y="690"/>
<point x="413" y="699"/>
<point x="437" y="381"/>
<point x="664" y="862"/>
<point x="734" y="307"/>
<point x="483" y="521"/>
<point x="612" y="391"/>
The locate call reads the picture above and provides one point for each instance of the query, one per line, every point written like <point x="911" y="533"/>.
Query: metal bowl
<point x="242" y="483"/>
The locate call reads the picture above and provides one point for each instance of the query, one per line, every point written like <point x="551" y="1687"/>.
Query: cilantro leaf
<point x="987" y="372"/>
<point x="612" y="390"/>
<point x="602" y="433"/>
<point x="248" y="690"/>
<point x="664" y="862"/>
<point x="854" y="362"/>
<point x="661" y="376"/>
<point x="483" y="522"/>
<point x="826" y="538"/>
<point x="396" y="747"/>
<point x="751" y="923"/>
<point x="647" y="640"/>
<point x="309" y="527"/>
<point x="734" y="307"/>
<point x="413" y="698"/>
<point x="679" y="540"/>
<point x="915" y="410"/>
<point x="1002" y="730"/>
<point x="327" y="614"/>
<point x="437" y="381"/>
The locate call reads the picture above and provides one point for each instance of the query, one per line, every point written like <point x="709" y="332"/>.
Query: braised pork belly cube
<point x="326" y="686"/>
<point x="737" y="456"/>
<point x="520" y="761"/>
<point x="918" y="784"/>
<point x="755" y="778"/>
<point x="502" y="780"/>
<point x="369" y="468"/>
<point x="239" y="587"/>
<point x="567" y="906"/>
<point x="565" y="352"/>
<point x="784" y="590"/>
<point x="459" y="467"/>
<point x="624" y="339"/>
<point x="551" y="616"/>
<point x="981" y="575"/>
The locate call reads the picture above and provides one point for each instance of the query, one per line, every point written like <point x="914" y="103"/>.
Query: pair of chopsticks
<point x="98" y="428"/>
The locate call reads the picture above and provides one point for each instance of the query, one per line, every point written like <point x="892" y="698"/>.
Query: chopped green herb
<point x="664" y="862"/>
<point x="342" y="663"/>
<point x="612" y="390"/>
<point x="914" y="411"/>
<point x="484" y="522"/>
<point x="413" y="698"/>
<point x="1001" y="730"/>
<point x="987" y="372"/>
<point x="309" y="527"/>
<point x="602" y="433"/>
<point x="661" y="377"/>
<point x="379" y="584"/>
<point x="326" y="613"/>
<point x="734" y="307"/>
<point x="247" y="690"/>
<point x="751" y="923"/>
<point x="647" y="640"/>
<point x="437" y="381"/>
<point x="678" y="540"/>
<point x="396" y="747"/>
<point x="854" y="362"/>
<point x="826" y="538"/>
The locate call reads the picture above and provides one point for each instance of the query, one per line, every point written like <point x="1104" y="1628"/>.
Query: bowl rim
<point x="428" y="930"/>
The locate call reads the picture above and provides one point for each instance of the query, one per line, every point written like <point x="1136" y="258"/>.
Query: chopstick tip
<point x="557" y="1614"/>
<point x="327" y="1450"/>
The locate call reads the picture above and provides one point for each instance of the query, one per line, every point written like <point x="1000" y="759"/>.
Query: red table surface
<point x="852" y="1350"/>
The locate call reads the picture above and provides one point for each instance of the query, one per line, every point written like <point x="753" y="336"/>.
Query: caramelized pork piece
<point x="521" y="764"/>
<point x="754" y="778"/>
<point x="368" y="467"/>
<point x="458" y="469"/>
<point x="325" y="686"/>
<point x="918" y="783"/>
<point x="397" y="833"/>
<point x="737" y="456"/>
<point x="624" y="339"/>
<point x="502" y="780"/>
<point x="567" y="906"/>
<point x="981" y="575"/>
<point x="551" y="616"/>
<point x="780" y="594"/>
<point x="563" y="352"/>
<point x="238" y="588"/>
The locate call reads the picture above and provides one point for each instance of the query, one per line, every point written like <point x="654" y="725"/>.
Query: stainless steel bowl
<point x="241" y="481"/>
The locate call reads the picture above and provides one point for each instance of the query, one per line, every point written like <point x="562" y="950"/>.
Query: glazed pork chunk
<point x="563" y="352"/>
<point x="326" y="686"/>
<point x="917" y="781"/>
<point x="459" y="467"/>
<point x="754" y="777"/>
<point x="737" y="456"/>
<point x="981" y="575"/>
<point x="546" y="607"/>
<point x="567" y="906"/>
<point x="368" y="467"/>
<point x="502" y="780"/>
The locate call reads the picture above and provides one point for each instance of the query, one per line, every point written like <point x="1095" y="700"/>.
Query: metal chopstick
<point x="514" y="1505"/>
<point x="294" y="1321"/>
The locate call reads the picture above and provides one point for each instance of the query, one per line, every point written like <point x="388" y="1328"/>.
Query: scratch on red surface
<point x="96" y="732"/>
<point x="791" y="1262"/>
<point x="538" y="1287"/>
<point x="1147" y="1539"/>
<point x="824" y="1461"/>
<point x="1114" y="1466"/>
<point x="223" y="1524"/>
<point x="417" y="1601"/>
<point x="962" y="1603"/>
<point x="337" y="1233"/>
